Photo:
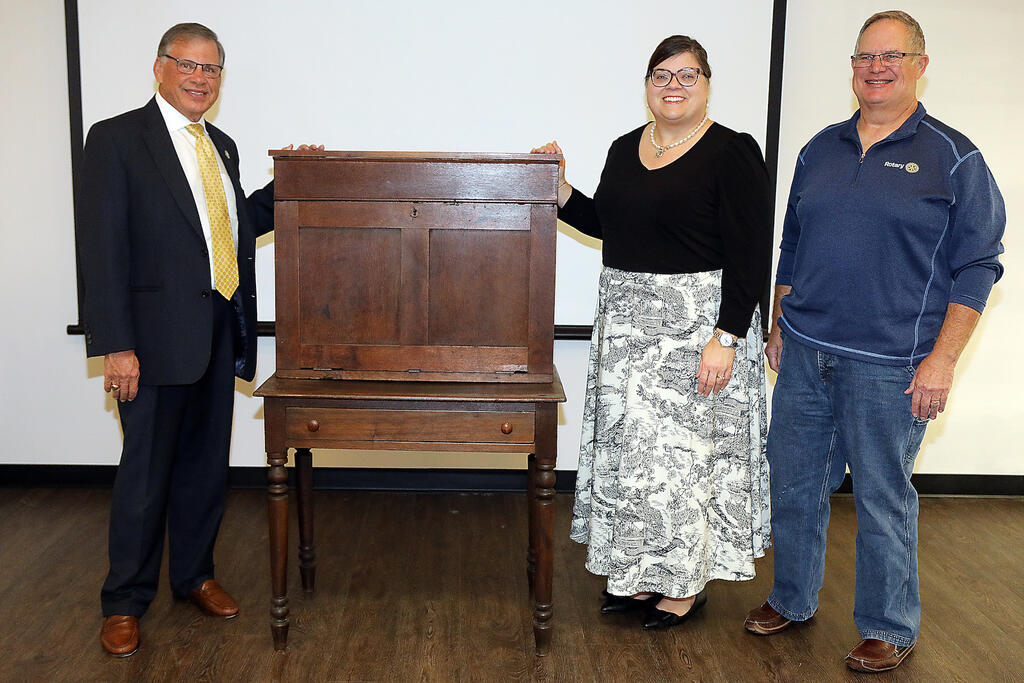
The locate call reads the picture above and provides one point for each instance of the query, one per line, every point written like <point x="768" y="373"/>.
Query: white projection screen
<point x="434" y="76"/>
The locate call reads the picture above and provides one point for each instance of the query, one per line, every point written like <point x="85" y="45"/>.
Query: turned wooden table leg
<point x="543" y="508"/>
<point x="277" y="478"/>
<point x="307" y="551"/>
<point x="531" y="551"/>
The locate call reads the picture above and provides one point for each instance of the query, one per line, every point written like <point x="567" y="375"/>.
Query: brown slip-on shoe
<point x="764" y="621"/>
<point x="120" y="635"/>
<point x="872" y="656"/>
<point x="214" y="600"/>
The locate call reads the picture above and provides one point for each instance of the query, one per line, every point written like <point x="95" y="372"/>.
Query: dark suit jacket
<point x="143" y="257"/>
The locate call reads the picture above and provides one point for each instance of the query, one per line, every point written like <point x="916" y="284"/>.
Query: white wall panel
<point x="466" y="76"/>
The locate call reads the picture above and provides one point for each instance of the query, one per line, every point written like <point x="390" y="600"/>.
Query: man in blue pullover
<point x="889" y="250"/>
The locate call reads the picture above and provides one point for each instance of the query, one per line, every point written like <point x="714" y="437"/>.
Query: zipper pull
<point x="862" y="155"/>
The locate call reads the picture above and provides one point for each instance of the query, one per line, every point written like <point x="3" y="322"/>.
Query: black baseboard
<point x="267" y="328"/>
<point x="327" y="478"/>
<point x="959" y="484"/>
<point x="440" y="480"/>
<point x="406" y="479"/>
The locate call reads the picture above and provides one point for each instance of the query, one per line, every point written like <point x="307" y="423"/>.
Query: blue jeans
<point x="828" y="412"/>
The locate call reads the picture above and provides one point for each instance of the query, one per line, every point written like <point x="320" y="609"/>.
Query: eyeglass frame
<point x="675" y="74"/>
<point x="880" y="57"/>
<point x="178" y="64"/>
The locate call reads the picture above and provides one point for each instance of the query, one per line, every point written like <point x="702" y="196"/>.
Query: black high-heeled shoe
<point x="657" y="618"/>
<point x="624" y="604"/>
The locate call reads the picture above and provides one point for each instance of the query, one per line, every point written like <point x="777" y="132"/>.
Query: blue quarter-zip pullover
<point x="875" y="245"/>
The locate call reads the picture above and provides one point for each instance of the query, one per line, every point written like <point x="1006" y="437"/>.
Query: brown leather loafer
<point x="764" y="621"/>
<point x="214" y="600"/>
<point x="872" y="656"/>
<point x="120" y="635"/>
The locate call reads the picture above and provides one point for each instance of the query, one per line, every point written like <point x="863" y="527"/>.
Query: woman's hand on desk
<point x="564" y="188"/>
<point x="306" y="148"/>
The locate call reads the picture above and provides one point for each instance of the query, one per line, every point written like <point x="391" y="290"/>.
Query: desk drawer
<point x="420" y="426"/>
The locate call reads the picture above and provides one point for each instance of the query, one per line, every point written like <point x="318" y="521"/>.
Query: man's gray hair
<point x="914" y="28"/>
<point x="188" y="32"/>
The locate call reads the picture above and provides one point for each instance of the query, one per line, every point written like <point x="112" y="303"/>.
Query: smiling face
<point x="191" y="94"/>
<point x="674" y="104"/>
<point x="887" y="86"/>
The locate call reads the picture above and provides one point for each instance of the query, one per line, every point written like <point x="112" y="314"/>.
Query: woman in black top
<point x="672" y="488"/>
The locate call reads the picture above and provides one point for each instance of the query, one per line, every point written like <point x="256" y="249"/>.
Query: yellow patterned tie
<point x="225" y="263"/>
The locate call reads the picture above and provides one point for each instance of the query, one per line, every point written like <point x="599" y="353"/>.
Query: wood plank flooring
<point x="432" y="587"/>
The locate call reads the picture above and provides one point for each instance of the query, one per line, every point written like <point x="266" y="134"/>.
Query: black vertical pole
<point x="75" y="118"/>
<point x="771" y="147"/>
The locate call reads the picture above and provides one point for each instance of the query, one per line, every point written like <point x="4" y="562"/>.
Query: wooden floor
<point x="432" y="587"/>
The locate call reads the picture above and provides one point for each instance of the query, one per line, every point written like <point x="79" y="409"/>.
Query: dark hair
<point x="677" y="45"/>
<point x="188" y="32"/>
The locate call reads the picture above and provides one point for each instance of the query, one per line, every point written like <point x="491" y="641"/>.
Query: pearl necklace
<point x="662" y="150"/>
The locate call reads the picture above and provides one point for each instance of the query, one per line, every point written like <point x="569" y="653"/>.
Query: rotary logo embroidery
<point x="909" y="167"/>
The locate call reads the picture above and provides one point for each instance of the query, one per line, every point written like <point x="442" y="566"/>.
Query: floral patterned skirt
<point x="672" y="487"/>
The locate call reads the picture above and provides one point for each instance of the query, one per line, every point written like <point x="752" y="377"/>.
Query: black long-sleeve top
<point x="708" y="210"/>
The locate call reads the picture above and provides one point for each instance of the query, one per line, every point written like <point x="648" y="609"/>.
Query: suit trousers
<point x="173" y="475"/>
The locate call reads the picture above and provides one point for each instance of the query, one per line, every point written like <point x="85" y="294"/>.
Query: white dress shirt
<point x="185" y="146"/>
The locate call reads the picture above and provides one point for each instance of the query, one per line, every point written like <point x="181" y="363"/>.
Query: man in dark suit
<point x="166" y="240"/>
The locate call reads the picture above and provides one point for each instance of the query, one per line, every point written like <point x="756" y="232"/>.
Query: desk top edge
<point x="354" y="389"/>
<point x="415" y="156"/>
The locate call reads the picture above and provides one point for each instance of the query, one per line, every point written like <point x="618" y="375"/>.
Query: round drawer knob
<point x="506" y="428"/>
<point x="313" y="426"/>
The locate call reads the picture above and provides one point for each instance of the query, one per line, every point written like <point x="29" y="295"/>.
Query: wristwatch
<point x="725" y="339"/>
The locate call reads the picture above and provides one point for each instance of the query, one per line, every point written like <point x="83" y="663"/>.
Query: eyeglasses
<point x="187" y="66"/>
<point x="662" y="77"/>
<point x="864" y="59"/>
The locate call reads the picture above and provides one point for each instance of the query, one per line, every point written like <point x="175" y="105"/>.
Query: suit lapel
<point x="219" y="140"/>
<point x="158" y="140"/>
<point x="220" y="143"/>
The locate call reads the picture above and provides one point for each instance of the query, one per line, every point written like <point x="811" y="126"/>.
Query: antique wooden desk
<point x="487" y="417"/>
<point x="415" y="311"/>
